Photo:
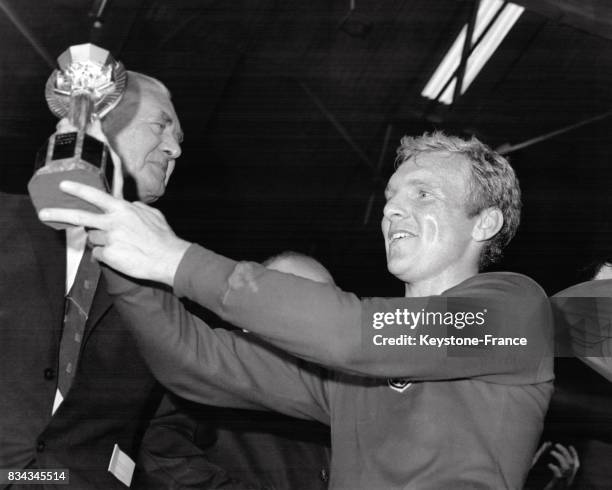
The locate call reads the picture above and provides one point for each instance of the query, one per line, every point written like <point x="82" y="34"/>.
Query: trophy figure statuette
<point x="88" y="83"/>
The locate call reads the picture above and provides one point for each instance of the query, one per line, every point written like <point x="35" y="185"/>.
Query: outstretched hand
<point x="566" y="466"/>
<point x="133" y="238"/>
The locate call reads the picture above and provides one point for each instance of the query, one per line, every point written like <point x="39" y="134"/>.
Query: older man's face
<point x="149" y="143"/>
<point x="425" y="224"/>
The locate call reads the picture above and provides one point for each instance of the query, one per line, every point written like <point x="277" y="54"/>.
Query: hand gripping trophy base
<point x="69" y="156"/>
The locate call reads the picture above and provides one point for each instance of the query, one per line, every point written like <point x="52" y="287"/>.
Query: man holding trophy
<point x="76" y="394"/>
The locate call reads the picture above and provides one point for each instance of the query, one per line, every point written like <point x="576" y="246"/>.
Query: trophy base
<point x="73" y="156"/>
<point x="45" y="192"/>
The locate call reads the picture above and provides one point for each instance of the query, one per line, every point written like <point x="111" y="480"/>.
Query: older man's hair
<point x="122" y="113"/>
<point x="493" y="182"/>
<point x="134" y="76"/>
<point x="290" y="262"/>
<point x="594" y="266"/>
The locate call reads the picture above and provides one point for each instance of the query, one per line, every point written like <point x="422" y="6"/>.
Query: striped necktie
<point x="77" y="305"/>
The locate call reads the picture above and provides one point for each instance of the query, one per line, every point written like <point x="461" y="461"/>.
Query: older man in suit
<point x="81" y="399"/>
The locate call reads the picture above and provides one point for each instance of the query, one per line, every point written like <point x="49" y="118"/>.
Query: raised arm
<point x="216" y="367"/>
<point x="324" y="324"/>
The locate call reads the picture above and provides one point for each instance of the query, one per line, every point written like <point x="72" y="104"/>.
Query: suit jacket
<point x="246" y="448"/>
<point x="113" y="396"/>
<point x="271" y="449"/>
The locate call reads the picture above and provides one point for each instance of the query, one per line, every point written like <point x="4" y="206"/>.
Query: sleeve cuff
<point x="202" y="275"/>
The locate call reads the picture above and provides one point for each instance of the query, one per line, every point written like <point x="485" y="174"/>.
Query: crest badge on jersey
<point x="399" y="384"/>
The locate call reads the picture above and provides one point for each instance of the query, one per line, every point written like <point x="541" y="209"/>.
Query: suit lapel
<point x="49" y="248"/>
<point x="100" y="305"/>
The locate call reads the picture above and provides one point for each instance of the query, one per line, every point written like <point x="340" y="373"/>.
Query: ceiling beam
<point x="25" y="32"/>
<point x="592" y="16"/>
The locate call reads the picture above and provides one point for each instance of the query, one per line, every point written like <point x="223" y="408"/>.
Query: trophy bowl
<point x="88" y="83"/>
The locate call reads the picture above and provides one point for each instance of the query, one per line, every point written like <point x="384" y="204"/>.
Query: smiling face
<point x="427" y="231"/>
<point x="145" y="132"/>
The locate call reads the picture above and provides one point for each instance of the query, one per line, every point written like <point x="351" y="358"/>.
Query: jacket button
<point x="40" y="447"/>
<point x="324" y="475"/>
<point x="49" y="373"/>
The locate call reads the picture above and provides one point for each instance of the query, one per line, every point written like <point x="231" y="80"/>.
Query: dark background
<point x="292" y="111"/>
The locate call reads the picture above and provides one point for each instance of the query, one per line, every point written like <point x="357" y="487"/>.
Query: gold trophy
<point x="88" y="83"/>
